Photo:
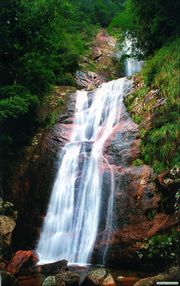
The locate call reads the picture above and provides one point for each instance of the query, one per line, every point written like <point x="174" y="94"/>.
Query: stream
<point x="71" y="224"/>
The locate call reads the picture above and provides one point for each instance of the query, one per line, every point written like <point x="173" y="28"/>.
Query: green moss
<point x="137" y="118"/>
<point x="151" y="214"/>
<point x="137" y="162"/>
<point x="60" y="102"/>
<point x="130" y="101"/>
<point x="52" y="119"/>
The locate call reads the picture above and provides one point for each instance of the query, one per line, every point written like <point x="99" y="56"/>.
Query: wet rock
<point x="49" y="281"/>
<point x="33" y="181"/>
<point x="7" y="226"/>
<point x="67" y="278"/>
<point x="88" y="80"/>
<point x="136" y="195"/>
<point x="97" y="277"/>
<point x="7" y="209"/>
<point x="96" y="53"/>
<point x="7" y="279"/>
<point x="172" y="275"/>
<point x="54" y="267"/>
<point x="123" y="145"/>
<point x="109" y="281"/>
<point x="23" y="261"/>
<point x="126" y="281"/>
<point x="103" y="39"/>
<point x="168" y="184"/>
<point x="2" y="265"/>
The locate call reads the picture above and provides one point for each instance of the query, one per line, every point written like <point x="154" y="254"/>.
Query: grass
<point x="159" y="146"/>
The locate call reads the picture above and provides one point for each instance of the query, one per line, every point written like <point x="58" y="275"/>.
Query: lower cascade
<point x="71" y="223"/>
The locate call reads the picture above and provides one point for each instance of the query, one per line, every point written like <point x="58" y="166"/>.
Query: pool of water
<point x="121" y="277"/>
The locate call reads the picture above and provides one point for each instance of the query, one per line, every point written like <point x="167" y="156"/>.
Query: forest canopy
<point x="42" y="42"/>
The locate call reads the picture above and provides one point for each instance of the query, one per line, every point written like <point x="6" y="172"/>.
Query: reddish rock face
<point x="22" y="260"/>
<point x="32" y="185"/>
<point x="136" y="194"/>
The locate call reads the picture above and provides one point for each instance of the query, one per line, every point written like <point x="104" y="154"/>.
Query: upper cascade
<point x="71" y="223"/>
<point x="132" y="64"/>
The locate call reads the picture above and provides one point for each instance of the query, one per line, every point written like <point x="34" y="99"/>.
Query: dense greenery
<point x="42" y="42"/>
<point x="161" y="247"/>
<point x="99" y="12"/>
<point x="159" y="146"/>
<point x="152" y="23"/>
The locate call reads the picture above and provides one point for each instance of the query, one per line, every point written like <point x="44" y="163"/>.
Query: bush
<point x="159" y="145"/>
<point x="161" y="247"/>
<point x="15" y="100"/>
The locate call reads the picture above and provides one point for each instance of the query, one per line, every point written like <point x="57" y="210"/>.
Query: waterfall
<point x="71" y="223"/>
<point x="132" y="64"/>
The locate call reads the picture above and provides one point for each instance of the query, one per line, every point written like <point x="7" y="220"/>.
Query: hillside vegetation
<point x="42" y="43"/>
<point x="158" y="100"/>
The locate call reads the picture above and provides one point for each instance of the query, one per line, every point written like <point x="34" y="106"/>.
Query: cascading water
<point x="71" y="223"/>
<point x="132" y="64"/>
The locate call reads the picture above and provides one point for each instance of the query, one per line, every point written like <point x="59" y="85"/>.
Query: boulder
<point x="173" y="274"/>
<point x="109" y="281"/>
<point x="7" y="209"/>
<point x="23" y="261"/>
<point x="67" y="278"/>
<point x="54" y="267"/>
<point x="126" y="281"/>
<point x="88" y="80"/>
<point x="168" y="184"/>
<point x="2" y="265"/>
<point x="7" y="279"/>
<point x="99" y="277"/>
<point x="7" y="226"/>
<point x="96" y="53"/>
<point x="49" y="281"/>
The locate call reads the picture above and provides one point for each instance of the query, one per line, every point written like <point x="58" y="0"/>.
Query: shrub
<point x="161" y="247"/>
<point x="15" y="100"/>
<point x="159" y="145"/>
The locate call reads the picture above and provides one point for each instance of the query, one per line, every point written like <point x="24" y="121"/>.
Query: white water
<point x="132" y="64"/>
<point x="71" y="223"/>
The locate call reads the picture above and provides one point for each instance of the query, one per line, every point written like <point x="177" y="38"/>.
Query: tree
<point x="151" y="22"/>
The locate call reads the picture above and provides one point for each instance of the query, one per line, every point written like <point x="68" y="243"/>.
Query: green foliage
<point x="131" y="99"/>
<point x="176" y="205"/>
<point x="15" y="100"/>
<point x="152" y="23"/>
<point x="99" y="11"/>
<point x="151" y="214"/>
<point x="52" y="119"/>
<point x="136" y="118"/>
<point x="42" y="42"/>
<point x="159" y="146"/>
<point x="65" y="79"/>
<point x="137" y="162"/>
<point x="162" y="70"/>
<point x="161" y="247"/>
<point x="123" y="20"/>
<point x="60" y="102"/>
